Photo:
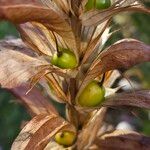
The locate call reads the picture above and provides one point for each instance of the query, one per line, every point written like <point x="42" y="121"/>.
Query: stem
<point x="102" y="80"/>
<point x="59" y="53"/>
<point x="94" y="3"/>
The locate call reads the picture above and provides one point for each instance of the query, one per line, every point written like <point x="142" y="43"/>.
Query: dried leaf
<point x="16" y="45"/>
<point x="35" y="102"/>
<point x="86" y="138"/>
<point x="14" y="2"/>
<point x="110" y="91"/>
<point x="138" y="99"/>
<point x="123" y="140"/>
<point x="39" y="131"/>
<point x="95" y="17"/>
<point x="54" y="146"/>
<point x="24" y="11"/>
<point x="121" y="55"/>
<point x="124" y="3"/>
<point x="94" y="43"/>
<point x="72" y="115"/>
<point x="38" y="37"/>
<point x="111" y="77"/>
<point x="62" y="98"/>
<point x="53" y="19"/>
<point x="63" y="5"/>
<point x="17" y="68"/>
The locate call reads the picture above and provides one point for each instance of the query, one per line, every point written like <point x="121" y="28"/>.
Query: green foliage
<point x="141" y="22"/>
<point x="7" y="29"/>
<point x="11" y="116"/>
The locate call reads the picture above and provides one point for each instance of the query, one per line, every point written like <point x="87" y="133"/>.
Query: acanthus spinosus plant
<point x="62" y="49"/>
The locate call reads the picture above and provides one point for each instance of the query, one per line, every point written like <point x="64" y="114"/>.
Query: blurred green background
<point x="12" y="114"/>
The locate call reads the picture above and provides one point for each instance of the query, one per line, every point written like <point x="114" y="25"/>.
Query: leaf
<point x="35" y="102"/>
<point x="124" y="3"/>
<point x="17" y="68"/>
<point x="95" y="17"/>
<point x="138" y="99"/>
<point x="121" y="55"/>
<point x="53" y="19"/>
<point x="123" y="140"/>
<point x="19" y="2"/>
<point x="86" y="138"/>
<point x="25" y="11"/>
<point x="110" y="78"/>
<point x="72" y="115"/>
<point x="57" y="88"/>
<point x="39" y="131"/>
<point x="38" y="37"/>
<point x="63" y="4"/>
<point x="74" y="6"/>
<point x="94" y="43"/>
<point x="54" y="146"/>
<point x="16" y="45"/>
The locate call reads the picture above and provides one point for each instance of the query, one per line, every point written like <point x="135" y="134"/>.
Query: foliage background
<point x="12" y="114"/>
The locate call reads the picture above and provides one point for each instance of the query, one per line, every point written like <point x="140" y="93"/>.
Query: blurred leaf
<point x="138" y="99"/>
<point x="95" y="17"/>
<point x="34" y="100"/>
<point x="123" y="139"/>
<point x="7" y="29"/>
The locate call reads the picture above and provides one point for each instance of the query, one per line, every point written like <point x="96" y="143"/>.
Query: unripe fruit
<point x="97" y="4"/>
<point x="92" y="95"/>
<point x="89" y="5"/>
<point x="65" y="138"/>
<point x="65" y="59"/>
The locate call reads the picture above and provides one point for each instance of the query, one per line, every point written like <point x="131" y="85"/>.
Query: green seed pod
<point x="89" y="5"/>
<point x="102" y="4"/>
<point x="97" y="4"/>
<point x="92" y="95"/>
<point x="65" y="60"/>
<point x="65" y="138"/>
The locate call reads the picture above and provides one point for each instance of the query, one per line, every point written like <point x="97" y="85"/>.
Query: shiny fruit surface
<point x="65" y="60"/>
<point x="97" y="4"/>
<point x="65" y="138"/>
<point x="92" y="95"/>
<point x="89" y="5"/>
<point x="102" y="4"/>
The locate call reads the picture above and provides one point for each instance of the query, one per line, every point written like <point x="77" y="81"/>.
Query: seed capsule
<point x="65" y="138"/>
<point x="97" y="4"/>
<point x="65" y="59"/>
<point x="92" y="95"/>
